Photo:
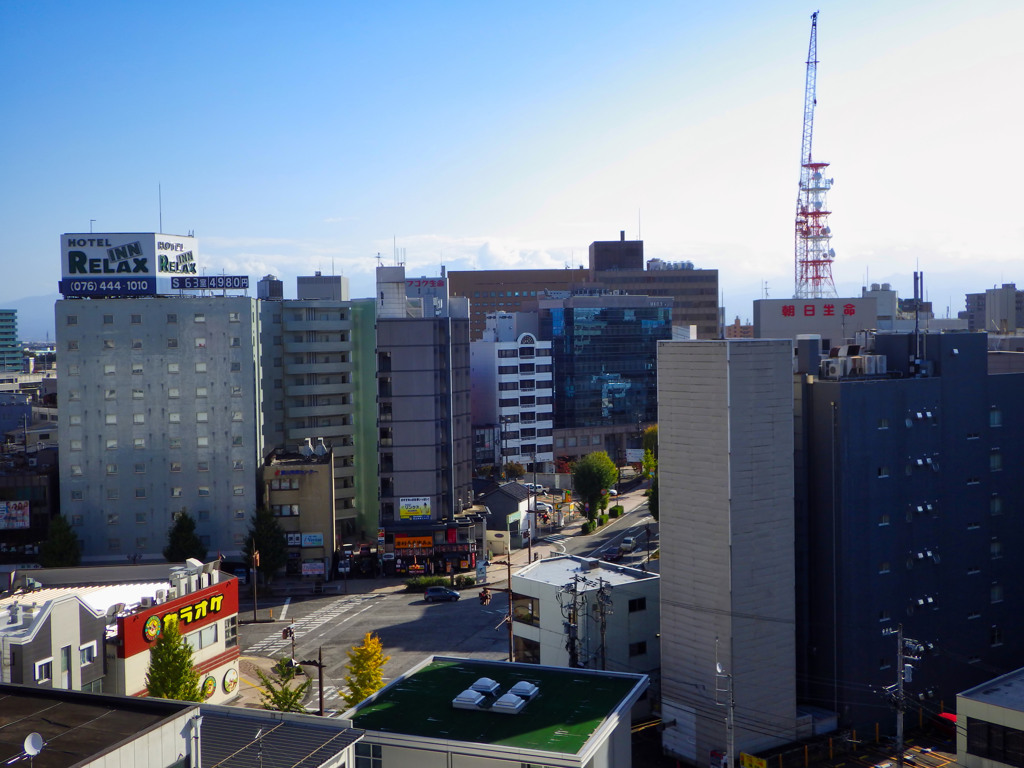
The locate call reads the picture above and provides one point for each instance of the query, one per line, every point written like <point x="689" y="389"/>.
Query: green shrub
<point x="463" y="582"/>
<point x="616" y="511"/>
<point x="420" y="583"/>
<point x="587" y="527"/>
<point x="602" y="520"/>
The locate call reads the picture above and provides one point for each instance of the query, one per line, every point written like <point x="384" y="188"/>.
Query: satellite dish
<point x="719" y="668"/>
<point x="33" y="744"/>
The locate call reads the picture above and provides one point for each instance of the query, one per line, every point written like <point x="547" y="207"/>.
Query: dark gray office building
<point x="909" y="503"/>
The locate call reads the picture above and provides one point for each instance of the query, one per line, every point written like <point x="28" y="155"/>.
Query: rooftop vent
<point x="468" y="699"/>
<point x="485" y="685"/>
<point x="307" y="449"/>
<point x="509" y="704"/>
<point x="524" y="690"/>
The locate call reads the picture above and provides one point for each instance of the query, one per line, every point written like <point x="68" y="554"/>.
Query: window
<point x="174" y="418"/>
<point x="76" y="495"/>
<point x="140" y="469"/>
<point x="236" y="391"/>
<point x="203" y="442"/>
<point x="995" y="548"/>
<point x="204" y="638"/>
<point x="884" y="616"/>
<point x="108" y="319"/>
<point x="202" y="417"/>
<point x="995" y="505"/>
<point x="200" y="367"/>
<point x="77" y="520"/>
<point x="138" y="418"/>
<point x="638" y="649"/>
<point x="108" y="370"/>
<point x="236" y="367"/>
<point x="109" y="344"/>
<point x="368" y="756"/>
<point x="239" y="514"/>
<point x="44" y="670"/>
<point x="113" y="545"/>
<point x="76" y="445"/>
<point x="87" y="653"/>
<point x="172" y="343"/>
<point x="112" y="518"/>
<point x="199" y="317"/>
<point x="638" y="604"/>
<point x="73" y="346"/>
<point x="110" y="394"/>
<point x="76" y="470"/>
<point x="173" y="392"/>
<point x="203" y="466"/>
<point x="236" y="415"/>
<point x="139" y="443"/>
<point x="232" y="317"/>
<point x="137" y="369"/>
<point x="204" y="490"/>
<point x="74" y="395"/>
<point x="231" y="632"/>
<point x="174" y="442"/>
<point x="140" y="493"/>
<point x="75" y="421"/>
<point x="883" y="567"/>
<point x="996" y="593"/>
<point x="200" y="342"/>
<point x="995" y="460"/>
<point x="175" y="466"/>
<point x="238" y="490"/>
<point x="138" y="394"/>
<point x="883" y="471"/>
<point x="172" y="318"/>
<point x="111" y="469"/>
<point x="112" y="444"/>
<point x="110" y="419"/>
<point x="236" y="441"/>
<point x="235" y="341"/>
<point x="136" y="343"/>
<point x="175" y="493"/>
<point x="237" y="465"/>
<point x="995" y="417"/>
<point x="172" y="367"/>
<point x="201" y="391"/>
<point x="883" y="519"/>
<point x="72" y="320"/>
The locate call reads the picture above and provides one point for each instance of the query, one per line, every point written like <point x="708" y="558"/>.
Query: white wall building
<point x="160" y="412"/>
<point x="511" y="374"/>
<point x="618" y="616"/>
<point x="725" y="422"/>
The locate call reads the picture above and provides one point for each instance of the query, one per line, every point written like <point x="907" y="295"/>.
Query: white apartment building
<point x="616" y="609"/>
<point x="511" y="374"/>
<point x="160" y="412"/>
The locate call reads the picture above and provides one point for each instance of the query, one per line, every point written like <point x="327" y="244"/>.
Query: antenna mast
<point x="813" y="261"/>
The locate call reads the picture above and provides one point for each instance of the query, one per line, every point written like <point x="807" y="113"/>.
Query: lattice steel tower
<point x="814" y="254"/>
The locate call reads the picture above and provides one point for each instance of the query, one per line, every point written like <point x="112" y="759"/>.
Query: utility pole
<point x="904" y="673"/>
<point x="507" y="562"/>
<point x="721" y="676"/>
<point x="319" y="664"/>
<point x="255" y="566"/>
<point x="604" y="602"/>
<point x="570" y="612"/>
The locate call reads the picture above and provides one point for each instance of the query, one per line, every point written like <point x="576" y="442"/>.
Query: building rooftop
<point x="560" y="570"/>
<point x="568" y="710"/>
<point x="1004" y="691"/>
<point x="75" y="726"/>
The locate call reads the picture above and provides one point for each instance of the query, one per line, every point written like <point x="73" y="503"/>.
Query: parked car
<point x="628" y="544"/>
<point x="612" y="492"/>
<point x="440" y="593"/>
<point x="612" y="554"/>
<point x="543" y="506"/>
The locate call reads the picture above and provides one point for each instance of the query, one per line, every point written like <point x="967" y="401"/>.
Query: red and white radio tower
<point x="813" y="263"/>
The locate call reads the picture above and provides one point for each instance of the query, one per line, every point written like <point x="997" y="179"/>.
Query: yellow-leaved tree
<point x="365" y="669"/>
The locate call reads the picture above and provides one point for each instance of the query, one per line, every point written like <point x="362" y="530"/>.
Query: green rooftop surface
<point x="565" y="713"/>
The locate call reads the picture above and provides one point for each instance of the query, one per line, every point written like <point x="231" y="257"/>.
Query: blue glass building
<point x="604" y="352"/>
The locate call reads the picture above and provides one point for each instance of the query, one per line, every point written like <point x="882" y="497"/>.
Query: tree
<point x="650" y="440"/>
<point x="652" y="499"/>
<point x="514" y="470"/>
<point x="649" y="464"/>
<point x="62" y="547"/>
<point x="365" y="669"/>
<point x="182" y="540"/>
<point x="280" y="693"/>
<point x="171" y="673"/>
<point x="591" y="475"/>
<point x="270" y="540"/>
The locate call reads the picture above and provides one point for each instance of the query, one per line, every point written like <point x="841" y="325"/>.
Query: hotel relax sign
<point x="124" y="263"/>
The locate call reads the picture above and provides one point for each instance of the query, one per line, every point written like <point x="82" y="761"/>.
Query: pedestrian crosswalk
<point x="275" y="644"/>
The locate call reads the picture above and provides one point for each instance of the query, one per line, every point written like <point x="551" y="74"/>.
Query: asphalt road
<point x="409" y="628"/>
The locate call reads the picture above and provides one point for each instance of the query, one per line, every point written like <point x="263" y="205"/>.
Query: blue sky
<point x="315" y="135"/>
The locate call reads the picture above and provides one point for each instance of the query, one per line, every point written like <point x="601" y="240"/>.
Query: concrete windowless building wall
<point x="727" y="541"/>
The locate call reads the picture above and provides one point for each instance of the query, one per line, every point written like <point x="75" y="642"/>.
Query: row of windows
<point x="172" y="318"/>
<point x="202" y="417"/>
<point x="174" y="443"/>
<point x="136" y="344"/>
<point x="172" y="392"/>
<point x="175" y="466"/>
<point x="43" y="670"/>
<point x="142" y="518"/>
<point x="113" y="494"/>
<point x="138" y="369"/>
